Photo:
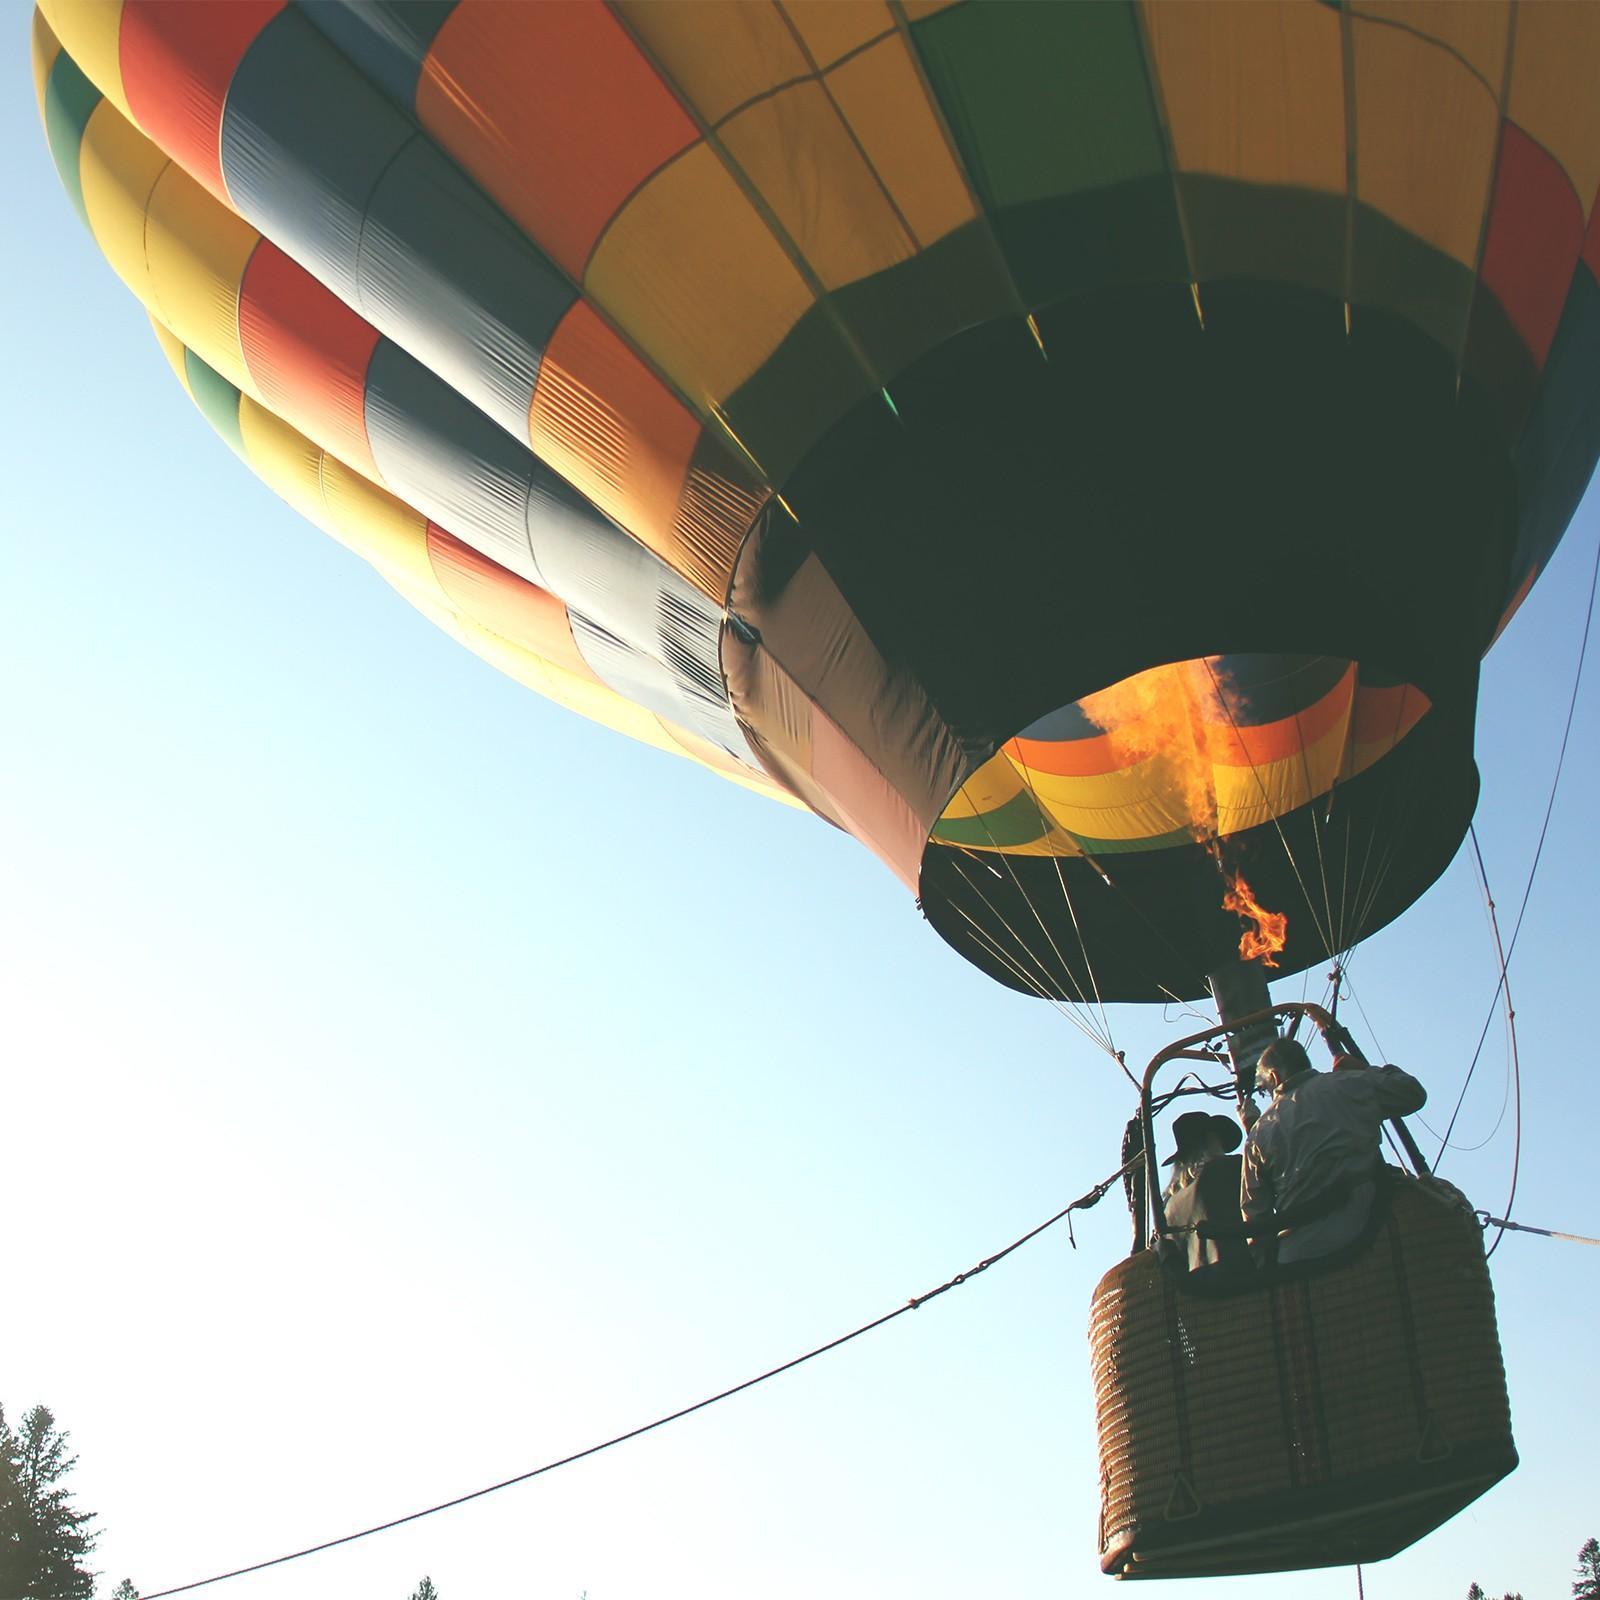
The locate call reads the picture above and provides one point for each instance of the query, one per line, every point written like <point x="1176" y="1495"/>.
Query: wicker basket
<point x="1332" y="1415"/>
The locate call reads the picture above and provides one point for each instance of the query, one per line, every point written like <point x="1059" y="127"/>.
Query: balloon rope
<point x="1044" y="928"/>
<point x="1092" y="1198"/>
<point x="1030" y="983"/>
<point x="1502" y="1223"/>
<point x="1335" y="936"/>
<point x="1039" y="988"/>
<point x="1503" y="986"/>
<point x="1042" y="983"/>
<point x="1538" y="853"/>
<point x="1363" y="898"/>
<point x="1088" y="960"/>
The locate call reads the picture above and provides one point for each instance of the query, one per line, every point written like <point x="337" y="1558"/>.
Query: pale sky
<point x="408" y="1083"/>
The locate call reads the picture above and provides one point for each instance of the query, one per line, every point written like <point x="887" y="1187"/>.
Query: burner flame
<point x="1269" y="930"/>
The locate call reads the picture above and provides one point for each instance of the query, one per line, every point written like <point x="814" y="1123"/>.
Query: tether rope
<point x="1538" y="853"/>
<point x="1084" y="1201"/>
<point x="1503" y="1223"/>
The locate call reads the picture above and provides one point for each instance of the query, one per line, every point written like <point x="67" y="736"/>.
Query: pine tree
<point x="1588" y="1585"/>
<point x="125" y="1591"/>
<point x="43" y="1536"/>
<point x="425" y="1591"/>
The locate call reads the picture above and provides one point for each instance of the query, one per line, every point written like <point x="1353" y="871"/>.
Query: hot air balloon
<point x="1081" y="451"/>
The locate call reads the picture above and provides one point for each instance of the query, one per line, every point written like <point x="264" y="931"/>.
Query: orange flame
<point x="1263" y="941"/>
<point x="1161" y="715"/>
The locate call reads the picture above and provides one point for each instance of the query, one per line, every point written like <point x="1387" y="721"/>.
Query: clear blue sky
<point x="406" y="1083"/>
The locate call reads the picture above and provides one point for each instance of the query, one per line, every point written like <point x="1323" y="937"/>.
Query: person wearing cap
<point x="1311" y="1160"/>
<point x="1204" y="1187"/>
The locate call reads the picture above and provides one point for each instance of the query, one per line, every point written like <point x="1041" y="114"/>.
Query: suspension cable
<point x="1032" y="985"/>
<point x="1107" y="1041"/>
<point x="1066" y="895"/>
<point x="1040" y="985"/>
<point x="1091" y="1198"/>
<point x="1027" y="900"/>
<point x="1029" y="983"/>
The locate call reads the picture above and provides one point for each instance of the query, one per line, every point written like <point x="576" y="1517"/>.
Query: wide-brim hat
<point x="1193" y="1128"/>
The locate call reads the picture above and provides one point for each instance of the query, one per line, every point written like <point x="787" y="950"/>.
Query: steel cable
<point x="1091" y="1198"/>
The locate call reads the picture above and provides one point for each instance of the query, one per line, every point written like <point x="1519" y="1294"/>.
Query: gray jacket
<point x="1322" y="1129"/>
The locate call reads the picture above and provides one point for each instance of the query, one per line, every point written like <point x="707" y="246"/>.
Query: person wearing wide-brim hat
<point x="1200" y="1138"/>
<point x="1205" y="1188"/>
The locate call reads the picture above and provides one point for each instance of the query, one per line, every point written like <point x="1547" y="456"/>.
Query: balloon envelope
<point x="1082" y="451"/>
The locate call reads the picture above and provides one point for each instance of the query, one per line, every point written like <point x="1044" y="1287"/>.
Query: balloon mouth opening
<point x="1185" y="753"/>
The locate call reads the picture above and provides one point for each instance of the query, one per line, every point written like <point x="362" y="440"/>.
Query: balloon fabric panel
<point x="555" y="112"/>
<point x="1252" y="93"/>
<point x="498" y="601"/>
<point x="630" y="453"/>
<point x="646" y="682"/>
<point x="308" y="353"/>
<point x="718" y="58"/>
<point x="323" y="164"/>
<point x="43" y="51"/>
<point x="90" y="31"/>
<point x="1557" y="450"/>
<point x="475" y="303"/>
<point x="692" y="273"/>
<point x="448" y="459"/>
<point x="829" y="33"/>
<point x="218" y="401"/>
<point x="176" y="69"/>
<point x="69" y="101"/>
<point x="285" y="460"/>
<point x="196" y="253"/>
<point x="1555" y="63"/>
<point x="1534" y="235"/>
<point x="1414" y="99"/>
<point x="1044" y="103"/>
<point x="305" y="142"/>
<point x="118" y="171"/>
<point x="387" y="39"/>
<point x="882" y="101"/>
<point x="797" y="152"/>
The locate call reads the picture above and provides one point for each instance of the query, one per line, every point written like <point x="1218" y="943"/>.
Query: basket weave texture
<point x="1327" y="1418"/>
